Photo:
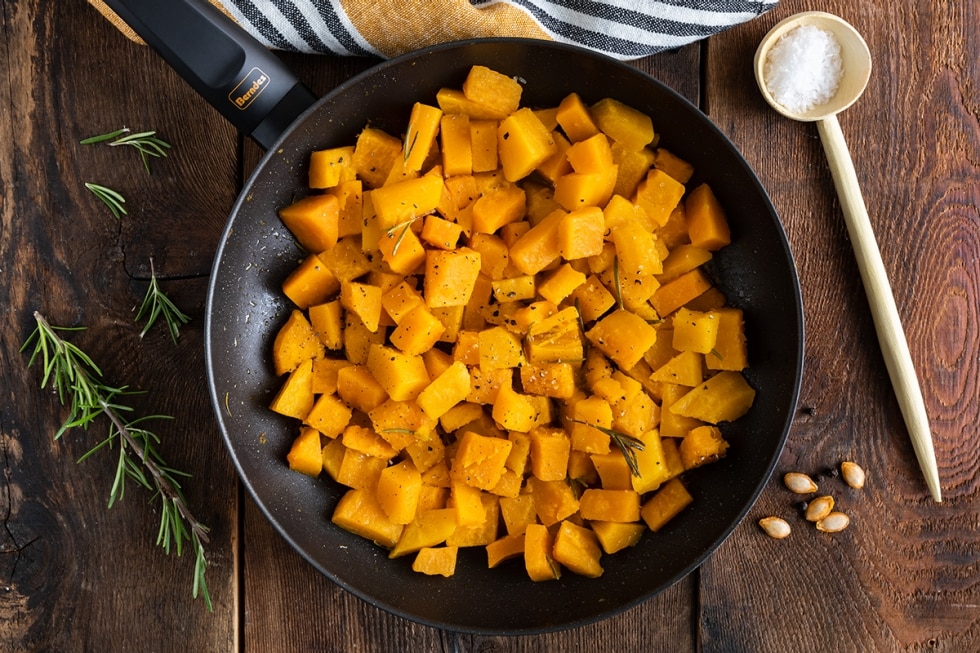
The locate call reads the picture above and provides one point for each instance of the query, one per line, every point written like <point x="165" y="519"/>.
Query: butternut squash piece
<point x="555" y="380"/>
<point x="363" y="300"/>
<point x="450" y="277"/>
<point x="577" y="190"/>
<point x="555" y="339"/>
<point x="577" y="548"/>
<point x="651" y="463"/>
<point x="730" y="351"/>
<point x="374" y="156"/>
<point x="702" y="445"/>
<point x="580" y="233"/>
<point x="695" y="331"/>
<point x="575" y="119"/>
<point x="549" y="452"/>
<point x="457" y="149"/>
<point x="452" y="100"/>
<point x="513" y="410"/>
<point x="401" y="249"/>
<point x="305" y="454"/>
<point x="674" y="294"/>
<point x="329" y="415"/>
<point x="359" y="389"/>
<point x="406" y="200"/>
<point x="658" y="195"/>
<point x="497" y="208"/>
<point x="724" y="397"/>
<point x="310" y="283"/>
<point x="483" y="144"/>
<point x="440" y="233"/>
<point x="553" y="500"/>
<point x="327" y="322"/>
<point x="401" y="375"/>
<point x="446" y="390"/>
<point x="707" y="224"/>
<point x="517" y="513"/>
<point x="295" y="343"/>
<point x="314" y="221"/>
<point x="504" y="548"/>
<point x="615" y="537"/>
<point x="502" y="94"/>
<point x="429" y="528"/>
<point x="418" y="331"/>
<point x="361" y="471"/>
<point x="398" y="491"/>
<point x="535" y="250"/>
<point x="436" y="561"/>
<point x="622" y="336"/>
<point x="538" y="554"/>
<point x="623" y="123"/>
<point x="683" y="369"/>
<point x="332" y="166"/>
<point x="663" y="506"/>
<point x="610" y="505"/>
<point x="673" y="165"/>
<point x="480" y="460"/>
<point x="523" y="143"/>
<point x="420" y="135"/>
<point x="359" y="512"/>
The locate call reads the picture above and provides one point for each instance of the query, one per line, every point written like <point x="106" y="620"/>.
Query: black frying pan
<point x="246" y="307"/>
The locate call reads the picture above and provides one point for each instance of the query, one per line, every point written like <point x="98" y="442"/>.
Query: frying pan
<point x="246" y="307"/>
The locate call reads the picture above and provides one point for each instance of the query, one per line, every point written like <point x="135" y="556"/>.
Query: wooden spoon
<point x="856" y="60"/>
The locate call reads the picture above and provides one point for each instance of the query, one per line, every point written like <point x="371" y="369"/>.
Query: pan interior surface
<point x="246" y="308"/>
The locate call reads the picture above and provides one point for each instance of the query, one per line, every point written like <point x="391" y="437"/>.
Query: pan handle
<point x="229" y="68"/>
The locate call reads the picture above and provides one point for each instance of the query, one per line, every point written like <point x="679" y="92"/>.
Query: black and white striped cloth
<point x="624" y="29"/>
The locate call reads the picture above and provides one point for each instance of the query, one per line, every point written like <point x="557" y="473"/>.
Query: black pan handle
<point x="233" y="71"/>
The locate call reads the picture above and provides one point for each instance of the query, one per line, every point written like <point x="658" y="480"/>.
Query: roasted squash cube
<point x="314" y="221"/>
<point x="724" y="397"/>
<point x="539" y="554"/>
<point x="401" y="375"/>
<point x="577" y="548"/>
<point x="622" y="336"/>
<point x="663" y="506"/>
<point x="306" y="454"/>
<point x="523" y="143"/>
<point x="359" y="512"/>
<point x="398" y="491"/>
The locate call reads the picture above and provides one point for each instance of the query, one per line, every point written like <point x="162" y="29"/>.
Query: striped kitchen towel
<point x="624" y="29"/>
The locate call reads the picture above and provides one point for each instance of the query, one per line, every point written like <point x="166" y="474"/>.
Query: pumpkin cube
<point x="305" y="454"/>
<point x="517" y="513"/>
<point x="549" y="451"/>
<point x="449" y="388"/>
<point x="539" y="247"/>
<point x="375" y="153"/>
<point x="614" y="471"/>
<point x="401" y="249"/>
<point x="575" y="118"/>
<point x="453" y="101"/>
<point x="610" y="505"/>
<point x="492" y="89"/>
<point x="729" y="352"/>
<point x="585" y="415"/>
<point x="678" y="292"/>
<point x="556" y="339"/>
<point x="499" y="349"/>
<point x="555" y="380"/>
<point x="577" y="548"/>
<point x="401" y="202"/>
<point x="591" y="155"/>
<point x="330" y="167"/>
<point x="314" y="221"/>
<point x="497" y="208"/>
<point x="403" y="376"/>
<point x="663" y="506"/>
<point x="398" y="491"/>
<point x="538" y="554"/>
<point x="363" y="300"/>
<point x="658" y="195"/>
<point x="615" y="536"/>
<point x="418" y="331"/>
<point x="514" y="411"/>
<point x="651" y="463"/>
<point x="359" y="512"/>
<point x="622" y="336"/>
<point x="504" y="548"/>
<point x="450" y="276"/>
<point x="683" y="369"/>
<point x="702" y="445"/>
<point x="576" y="190"/>
<point x="480" y="460"/>
<point x="329" y="415"/>
<point x="581" y="232"/>
<point x="622" y="123"/>
<point x="295" y="343"/>
<point x="695" y="331"/>
<point x="457" y="152"/>
<point x="523" y="143"/>
<point x="724" y="397"/>
<point x="310" y="283"/>
<point x="706" y="222"/>
<point x="428" y="529"/>
<point x="553" y="500"/>
<point x="440" y="233"/>
<point x="327" y="322"/>
<point x="482" y="533"/>
<point x="359" y="389"/>
<point x="483" y="144"/>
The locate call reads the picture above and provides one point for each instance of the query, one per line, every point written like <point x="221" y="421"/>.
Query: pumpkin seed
<point x="834" y="522"/>
<point x="799" y="483"/>
<point x="819" y="508"/>
<point x="775" y="527"/>
<point x="853" y="474"/>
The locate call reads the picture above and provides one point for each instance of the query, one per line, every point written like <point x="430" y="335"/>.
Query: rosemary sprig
<point x="402" y="228"/>
<point x="156" y="303"/>
<point x="409" y="145"/>
<point x="76" y="378"/>
<point x="147" y="143"/>
<point x="628" y="444"/>
<point x="110" y="198"/>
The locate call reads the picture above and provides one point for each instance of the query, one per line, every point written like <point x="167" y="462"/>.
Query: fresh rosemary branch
<point x="156" y="303"/>
<point x="409" y="145"/>
<point x="146" y="143"/>
<point x="626" y="443"/>
<point x="110" y="198"/>
<point x="404" y="227"/>
<point x="75" y="377"/>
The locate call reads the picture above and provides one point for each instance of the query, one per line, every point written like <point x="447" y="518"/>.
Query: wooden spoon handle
<point x="888" y="324"/>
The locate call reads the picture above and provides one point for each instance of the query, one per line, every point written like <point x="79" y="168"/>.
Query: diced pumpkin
<point x="683" y="258"/>
<point x="453" y="101"/>
<point x="623" y="123"/>
<point x="683" y="369"/>
<point x="428" y="529"/>
<point x="401" y="202"/>
<point x="361" y="471"/>
<point x="498" y="207"/>
<point x="523" y="143"/>
<point x="505" y="548"/>
<point x="480" y="460"/>
<point x="580" y="233"/>
<point x="358" y="339"/>
<point x="457" y="152"/>
<point x="417" y="332"/>
<point x="426" y="453"/>
<point x="673" y="165"/>
<point x="402" y="423"/>
<point x="485" y="531"/>
<point x="577" y="548"/>
<point x="345" y="260"/>
<point x="706" y="221"/>
<point x="374" y="155"/>
<point x="483" y="144"/>
<point x="350" y="199"/>
<point x="695" y="331"/>
<point x="306" y="454"/>
<point x="555" y="339"/>
<point x="310" y="283"/>
<point x="576" y="190"/>
<point x="553" y="500"/>
<point x="539" y="247"/>
<point x="295" y="343"/>
<point x="651" y="463"/>
<point x="538" y="554"/>
<point x="615" y="537"/>
<point x="295" y="396"/>
<point x="517" y="513"/>
<point x="673" y="425"/>
<point x="636" y="250"/>
<point x="589" y="416"/>
<point x="513" y="410"/>
<point x="492" y="89"/>
<point x="398" y="491"/>
<point x="327" y="322"/>
<point x="450" y="276"/>
<point x="610" y="505"/>
<point x="633" y="167"/>
<point x="420" y="135"/>
<point x="359" y="512"/>
<point x="313" y="220"/>
<point x="514" y="289"/>
<point x="702" y="445"/>
<point x="555" y="380"/>
<point x="549" y="451"/>
<point x="359" y="389"/>
<point x="401" y="249"/>
<point x="613" y="470"/>
<point x="333" y="457"/>
<point x="448" y="389"/>
<point x="674" y="294"/>
<point x="658" y="194"/>
<point x="401" y="375"/>
<point x="440" y="233"/>
<point x="498" y="349"/>
<point x="325" y="372"/>
<point x="622" y="336"/>
<point x="730" y="352"/>
<point x="724" y="397"/>
<point x="363" y="300"/>
<point x="663" y="506"/>
<point x="436" y="561"/>
<point x="332" y="166"/>
<point x="575" y="119"/>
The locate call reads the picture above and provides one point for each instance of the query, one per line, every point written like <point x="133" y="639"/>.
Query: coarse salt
<point x="804" y="68"/>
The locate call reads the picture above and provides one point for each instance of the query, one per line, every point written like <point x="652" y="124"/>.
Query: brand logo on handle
<point x="249" y="88"/>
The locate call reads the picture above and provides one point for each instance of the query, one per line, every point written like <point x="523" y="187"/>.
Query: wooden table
<point x="75" y="576"/>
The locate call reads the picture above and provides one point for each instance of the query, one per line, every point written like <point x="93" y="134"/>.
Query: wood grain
<point x="75" y="576"/>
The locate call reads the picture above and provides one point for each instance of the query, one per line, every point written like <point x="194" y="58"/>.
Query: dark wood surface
<point x="75" y="576"/>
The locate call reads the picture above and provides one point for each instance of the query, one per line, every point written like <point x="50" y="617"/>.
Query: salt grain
<point x="804" y="68"/>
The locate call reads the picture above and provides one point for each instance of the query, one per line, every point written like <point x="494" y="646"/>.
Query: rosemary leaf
<point x="147" y="143"/>
<point x="77" y="379"/>
<point x="619" y="286"/>
<point x="110" y="198"/>
<point x="156" y="303"/>
<point x="628" y="444"/>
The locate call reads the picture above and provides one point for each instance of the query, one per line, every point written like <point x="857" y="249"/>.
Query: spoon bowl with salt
<point x="810" y="67"/>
